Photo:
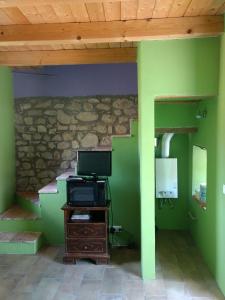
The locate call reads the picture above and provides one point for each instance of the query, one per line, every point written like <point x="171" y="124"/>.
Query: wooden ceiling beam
<point x="63" y="57"/>
<point x="114" y="31"/>
<point x="191" y="101"/>
<point x="16" y="3"/>
<point x="177" y="130"/>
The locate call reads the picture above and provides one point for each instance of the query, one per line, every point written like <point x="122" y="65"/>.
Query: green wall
<point x="125" y="184"/>
<point x="7" y="147"/>
<point x="52" y="215"/>
<point x="204" y="229"/>
<point x="176" y="115"/>
<point x="220" y="162"/>
<point x="167" y="68"/>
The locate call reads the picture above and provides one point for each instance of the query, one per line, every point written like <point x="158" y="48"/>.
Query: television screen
<point x="95" y="163"/>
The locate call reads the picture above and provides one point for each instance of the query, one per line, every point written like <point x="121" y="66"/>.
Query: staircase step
<point x="33" y="197"/>
<point x="17" y="213"/>
<point x="19" y="242"/>
<point x="50" y="188"/>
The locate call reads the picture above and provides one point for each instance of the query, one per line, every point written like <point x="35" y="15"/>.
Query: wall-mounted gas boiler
<point x="166" y="178"/>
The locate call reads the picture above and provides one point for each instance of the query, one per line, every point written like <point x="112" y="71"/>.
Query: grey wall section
<point x="76" y="80"/>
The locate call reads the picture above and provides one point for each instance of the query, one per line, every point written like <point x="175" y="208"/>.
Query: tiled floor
<point x="181" y="274"/>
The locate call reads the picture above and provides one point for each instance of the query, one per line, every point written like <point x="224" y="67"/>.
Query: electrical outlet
<point x="116" y="229"/>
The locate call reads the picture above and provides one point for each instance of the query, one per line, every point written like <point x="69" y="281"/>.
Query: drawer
<point x="86" y="230"/>
<point x="86" y="245"/>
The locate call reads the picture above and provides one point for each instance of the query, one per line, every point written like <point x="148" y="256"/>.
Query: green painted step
<point x="18" y="219"/>
<point x="29" y="201"/>
<point x="18" y="213"/>
<point x="19" y="242"/>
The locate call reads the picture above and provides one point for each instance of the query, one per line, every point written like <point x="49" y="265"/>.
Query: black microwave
<point x="86" y="192"/>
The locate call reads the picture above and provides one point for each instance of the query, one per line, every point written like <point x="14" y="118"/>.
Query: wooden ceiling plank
<point x="102" y="45"/>
<point x="48" y="13"/>
<point x="33" y="48"/>
<point x="145" y="9"/>
<point x="32" y="14"/>
<point x="91" y="46"/>
<point x="107" y="32"/>
<point x="112" y="11"/>
<point x="67" y="46"/>
<point x="196" y="7"/>
<point x="79" y="12"/>
<point x="16" y="15"/>
<point x="64" y="13"/>
<point x="40" y="48"/>
<point x="70" y="46"/>
<point x="46" y="48"/>
<point x="4" y="48"/>
<point x="56" y="47"/>
<point x="96" y="12"/>
<point x="212" y="7"/>
<point x="4" y="18"/>
<point x="79" y="46"/>
<point x="114" y="45"/>
<point x="162" y="8"/>
<point x="129" y="10"/>
<point x="18" y="48"/>
<point x="221" y="9"/>
<point x="18" y="3"/>
<point x="62" y="57"/>
<point x="178" y="8"/>
<point x="126" y="45"/>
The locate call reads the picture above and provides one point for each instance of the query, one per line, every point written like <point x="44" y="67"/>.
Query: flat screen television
<point x="94" y="163"/>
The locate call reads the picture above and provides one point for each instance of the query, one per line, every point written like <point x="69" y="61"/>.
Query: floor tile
<point x="181" y="274"/>
<point x="155" y="288"/>
<point x="112" y="297"/>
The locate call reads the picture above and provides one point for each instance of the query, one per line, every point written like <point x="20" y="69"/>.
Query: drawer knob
<point x="85" y="247"/>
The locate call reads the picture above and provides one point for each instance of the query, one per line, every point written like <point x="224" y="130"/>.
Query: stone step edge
<point x="19" y="237"/>
<point x="50" y="188"/>
<point x="33" y="197"/>
<point x="25" y="215"/>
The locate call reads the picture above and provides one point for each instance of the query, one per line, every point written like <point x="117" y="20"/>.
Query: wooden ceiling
<point x="69" y="11"/>
<point x="86" y="27"/>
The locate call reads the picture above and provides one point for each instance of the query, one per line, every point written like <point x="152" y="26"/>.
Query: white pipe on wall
<point x="166" y="144"/>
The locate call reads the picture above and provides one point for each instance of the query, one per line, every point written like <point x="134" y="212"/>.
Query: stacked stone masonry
<point x="50" y="131"/>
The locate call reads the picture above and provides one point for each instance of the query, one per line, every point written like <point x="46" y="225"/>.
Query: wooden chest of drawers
<point x="86" y="239"/>
<point x="77" y="230"/>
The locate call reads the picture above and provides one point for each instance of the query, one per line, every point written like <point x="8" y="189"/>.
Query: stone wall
<point x="49" y="131"/>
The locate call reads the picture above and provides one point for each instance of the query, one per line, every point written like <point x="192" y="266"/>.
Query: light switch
<point x="223" y="188"/>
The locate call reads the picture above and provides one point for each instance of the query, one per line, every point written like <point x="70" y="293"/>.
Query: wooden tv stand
<point x="86" y="239"/>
